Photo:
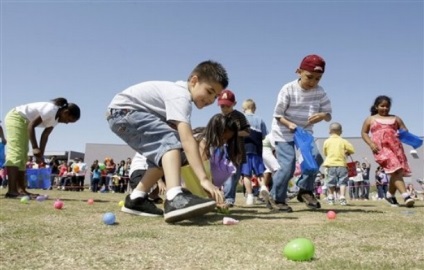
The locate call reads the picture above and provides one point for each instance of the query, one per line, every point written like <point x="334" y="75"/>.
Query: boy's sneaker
<point x="308" y="198"/>
<point x="282" y="207"/>
<point x="265" y="195"/>
<point x="343" y="201"/>
<point x="409" y="202"/>
<point x="186" y="205"/>
<point x="392" y="201"/>
<point x="330" y="201"/>
<point x="141" y="207"/>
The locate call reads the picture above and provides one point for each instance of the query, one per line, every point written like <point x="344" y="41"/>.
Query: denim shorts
<point x="146" y="133"/>
<point x="336" y="176"/>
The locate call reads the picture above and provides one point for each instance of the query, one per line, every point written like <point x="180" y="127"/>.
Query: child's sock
<point x="137" y="194"/>
<point x="172" y="192"/>
<point x="389" y="195"/>
<point x="330" y="197"/>
<point x="342" y="197"/>
<point x="405" y="195"/>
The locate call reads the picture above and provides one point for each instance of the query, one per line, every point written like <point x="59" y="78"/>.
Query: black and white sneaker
<point x="141" y="207"/>
<point x="276" y="206"/>
<point x="392" y="201"/>
<point x="409" y="202"/>
<point x="309" y="199"/>
<point x="186" y="205"/>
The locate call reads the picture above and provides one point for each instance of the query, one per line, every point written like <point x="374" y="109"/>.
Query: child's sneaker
<point x="309" y="199"/>
<point x="343" y="201"/>
<point x="250" y="200"/>
<point x="186" y="205"/>
<point x="264" y="195"/>
<point x="409" y="202"/>
<point x="141" y="207"/>
<point x="281" y="207"/>
<point x="330" y="201"/>
<point x="392" y="201"/>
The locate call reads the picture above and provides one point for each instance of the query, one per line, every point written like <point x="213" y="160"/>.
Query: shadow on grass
<point x="239" y="214"/>
<point x="344" y="210"/>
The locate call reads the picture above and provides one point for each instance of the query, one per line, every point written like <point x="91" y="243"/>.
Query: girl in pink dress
<point x="387" y="148"/>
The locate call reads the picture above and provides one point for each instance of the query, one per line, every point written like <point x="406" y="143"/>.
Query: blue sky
<point x="87" y="51"/>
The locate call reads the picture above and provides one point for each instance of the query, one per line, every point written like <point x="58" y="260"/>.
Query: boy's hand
<point x="213" y="191"/>
<point x="292" y="127"/>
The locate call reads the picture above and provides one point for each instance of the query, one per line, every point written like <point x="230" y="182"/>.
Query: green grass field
<point x="365" y="235"/>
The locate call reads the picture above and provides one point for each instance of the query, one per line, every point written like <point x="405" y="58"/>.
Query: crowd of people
<point x="153" y="118"/>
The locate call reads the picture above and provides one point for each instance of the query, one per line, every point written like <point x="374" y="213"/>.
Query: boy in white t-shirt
<point x="153" y="118"/>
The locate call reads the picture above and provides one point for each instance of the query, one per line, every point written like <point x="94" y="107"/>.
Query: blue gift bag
<point x="410" y="139"/>
<point x="2" y="156"/>
<point x="38" y="178"/>
<point x="303" y="141"/>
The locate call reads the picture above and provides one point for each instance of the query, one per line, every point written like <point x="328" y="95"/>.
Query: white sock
<point x="405" y="195"/>
<point x="389" y="195"/>
<point x="172" y="192"/>
<point x="137" y="194"/>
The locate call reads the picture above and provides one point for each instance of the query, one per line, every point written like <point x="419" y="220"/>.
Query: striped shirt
<point x="296" y="105"/>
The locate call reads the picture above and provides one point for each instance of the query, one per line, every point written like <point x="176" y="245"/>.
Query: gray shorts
<point x="146" y="133"/>
<point x="336" y="176"/>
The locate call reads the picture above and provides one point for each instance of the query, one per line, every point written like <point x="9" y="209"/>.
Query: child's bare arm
<point x="191" y="150"/>
<point x="364" y="133"/>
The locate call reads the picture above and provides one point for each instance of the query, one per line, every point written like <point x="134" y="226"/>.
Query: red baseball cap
<point x="313" y="63"/>
<point x="226" y="98"/>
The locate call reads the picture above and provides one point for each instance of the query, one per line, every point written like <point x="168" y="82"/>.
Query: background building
<point x="120" y="152"/>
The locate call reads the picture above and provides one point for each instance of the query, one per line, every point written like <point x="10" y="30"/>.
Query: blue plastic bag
<point x="2" y="156"/>
<point x="303" y="141"/>
<point x="410" y="139"/>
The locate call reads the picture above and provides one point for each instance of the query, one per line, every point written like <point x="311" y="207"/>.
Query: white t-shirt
<point x="46" y="110"/>
<point x="170" y="100"/>
<point x="138" y="162"/>
<point x="296" y="105"/>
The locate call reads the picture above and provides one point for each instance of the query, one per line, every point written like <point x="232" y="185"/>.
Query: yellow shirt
<point x="335" y="149"/>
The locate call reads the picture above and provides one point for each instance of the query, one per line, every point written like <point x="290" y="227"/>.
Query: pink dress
<point x="391" y="156"/>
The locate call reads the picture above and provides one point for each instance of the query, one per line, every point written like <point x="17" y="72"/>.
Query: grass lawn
<point x="365" y="235"/>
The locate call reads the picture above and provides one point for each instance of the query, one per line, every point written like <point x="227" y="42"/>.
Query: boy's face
<point x="204" y="93"/>
<point x="308" y="80"/>
<point x="225" y="109"/>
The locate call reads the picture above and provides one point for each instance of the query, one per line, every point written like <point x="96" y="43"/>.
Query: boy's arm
<point x="349" y="148"/>
<point x="191" y="150"/>
<point x="290" y="125"/>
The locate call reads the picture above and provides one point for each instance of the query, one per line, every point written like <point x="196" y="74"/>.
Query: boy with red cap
<point x="300" y="103"/>
<point x="227" y="101"/>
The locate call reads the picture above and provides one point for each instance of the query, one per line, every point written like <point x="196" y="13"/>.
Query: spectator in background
<point x="381" y="182"/>
<point x="54" y="172"/>
<point x="30" y="163"/>
<point x="366" y="166"/>
<point x="358" y="182"/>
<point x="80" y="169"/>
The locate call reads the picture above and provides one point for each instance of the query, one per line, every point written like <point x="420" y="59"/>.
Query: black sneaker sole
<point x="138" y="213"/>
<point x="190" y="212"/>
<point x="409" y="203"/>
